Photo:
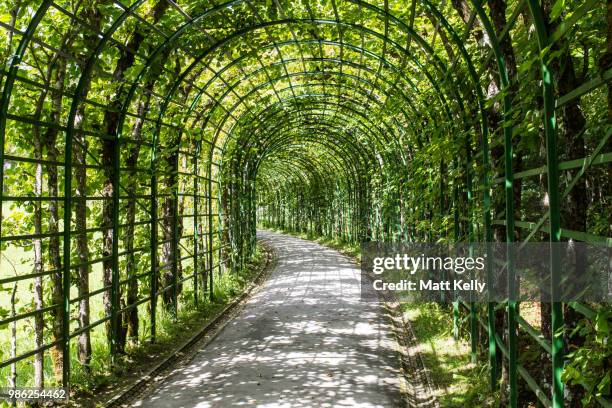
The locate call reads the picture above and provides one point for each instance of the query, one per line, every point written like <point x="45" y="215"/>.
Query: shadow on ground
<point x="304" y="340"/>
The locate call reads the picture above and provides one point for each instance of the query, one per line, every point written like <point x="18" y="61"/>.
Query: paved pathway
<point x="304" y="340"/>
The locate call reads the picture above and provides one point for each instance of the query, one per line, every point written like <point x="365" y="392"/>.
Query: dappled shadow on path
<point x="305" y="339"/>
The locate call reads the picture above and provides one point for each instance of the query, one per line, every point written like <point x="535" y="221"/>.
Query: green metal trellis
<point x="273" y="122"/>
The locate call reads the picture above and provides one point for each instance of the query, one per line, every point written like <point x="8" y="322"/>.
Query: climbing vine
<point x="142" y="143"/>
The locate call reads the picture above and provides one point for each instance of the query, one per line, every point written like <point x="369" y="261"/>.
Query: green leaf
<point x="557" y="9"/>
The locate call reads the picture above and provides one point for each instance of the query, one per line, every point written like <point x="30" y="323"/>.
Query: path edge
<point x="201" y="339"/>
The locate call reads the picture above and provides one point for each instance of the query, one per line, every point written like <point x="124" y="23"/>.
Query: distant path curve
<point x="305" y="339"/>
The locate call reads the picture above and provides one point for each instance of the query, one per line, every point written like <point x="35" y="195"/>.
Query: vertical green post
<point x="219" y="226"/>
<point x="66" y="256"/>
<point x="210" y="232"/>
<point x="175" y="241"/>
<point x="552" y="167"/>
<point x="115" y="249"/>
<point x="509" y="198"/>
<point x="442" y="214"/>
<point x="195" y="222"/>
<point x="473" y="311"/>
<point x="493" y="370"/>
<point x="456" y="239"/>
<point x="153" y="242"/>
<point x="512" y="295"/>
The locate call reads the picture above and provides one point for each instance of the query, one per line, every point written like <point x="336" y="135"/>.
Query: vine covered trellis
<point x="142" y="142"/>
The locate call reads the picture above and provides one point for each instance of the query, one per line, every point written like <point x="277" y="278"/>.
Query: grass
<point x="459" y="382"/>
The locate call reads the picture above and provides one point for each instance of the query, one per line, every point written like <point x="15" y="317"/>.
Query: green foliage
<point x="345" y="120"/>
<point x="589" y="364"/>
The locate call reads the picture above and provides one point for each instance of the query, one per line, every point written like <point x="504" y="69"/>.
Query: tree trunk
<point x="80" y="207"/>
<point x="168" y="223"/>
<point x="13" y="344"/>
<point x="55" y="260"/>
<point x="39" y="264"/>
<point x="107" y="153"/>
<point x="92" y="15"/>
<point x="131" y="164"/>
<point x="130" y="265"/>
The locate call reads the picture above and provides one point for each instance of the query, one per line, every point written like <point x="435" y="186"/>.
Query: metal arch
<point x="214" y="140"/>
<point x="308" y="162"/>
<point x="271" y="23"/>
<point x="308" y="165"/>
<point x="342" y="75"/>
<point x="379" y="131"/>
<point x="339" y="85"/>
<point x="318" y="95"/>
<point x="240" y="32"/>
<point x="358" y="151"/>
<point x="291" y="167"/>
<point x="311" y="164"/>
<point x="328" y="143"/>
<point x="243" y="31"/>
<point x="287" y="125"/>
<point x="355" y="112"/>
<point x="315" y="164"/>
<point x="179" y="32"/>
<point x="251" y="134"/>
<point x="367" y="155"/>
<point x="291" y="138"/>
<point x="385" y="40"/>
<point x="338" y="108"/>
<point x="8" y="86"/>
<point x="340" y="62"/>
<point x="327" y="42"/>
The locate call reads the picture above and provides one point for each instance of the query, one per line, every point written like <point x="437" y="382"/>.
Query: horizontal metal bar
<point x="571" y="164"/>
<point x="88" y="327"/>
<point x="28" y="314"/>
<point x="186" y="278"/>
<point x="19" y="278"/>
<point x="56" y="234"/>
<point x="92" y="262"/>
<point x="580" y="236"/>
<point x="89" y="295"/>
<point x="585" y="88"/>
<point x="133" y="251"/>
<point x="29" y="354"/>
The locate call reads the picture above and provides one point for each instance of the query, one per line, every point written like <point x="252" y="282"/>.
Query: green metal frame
<point x="256" y="125"/>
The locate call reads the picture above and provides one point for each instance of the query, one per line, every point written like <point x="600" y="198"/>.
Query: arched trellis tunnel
<point x="143" y="142"/>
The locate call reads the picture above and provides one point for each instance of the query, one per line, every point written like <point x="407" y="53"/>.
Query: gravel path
<point x="304" y="340"/>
